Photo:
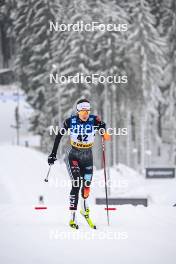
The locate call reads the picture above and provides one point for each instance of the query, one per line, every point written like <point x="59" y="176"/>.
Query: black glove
<point x="102" y="125"/>
<point x="51" y="158"/>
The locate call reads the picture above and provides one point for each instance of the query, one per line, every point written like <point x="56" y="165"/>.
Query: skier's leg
<point x="76" y="183"/>
<point x="88" y="172"/>
<point x="84" y="204"/>
<point x="74" y="172"/>
<point x="85" y="191"/>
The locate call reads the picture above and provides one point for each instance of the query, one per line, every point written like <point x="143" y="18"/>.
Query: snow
<point x="8" y="103"/>
<point x="135" y="235"/>
<point x="4" y="70"/>
<point x="126" y="182"/>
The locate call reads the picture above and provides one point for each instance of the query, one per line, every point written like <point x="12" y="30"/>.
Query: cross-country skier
<point x="78" y="158"/>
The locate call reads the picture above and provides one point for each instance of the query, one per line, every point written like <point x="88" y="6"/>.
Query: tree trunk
<point x="128" y="139"/>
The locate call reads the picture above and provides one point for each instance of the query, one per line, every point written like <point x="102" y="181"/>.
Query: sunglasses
<point x="84" y="111"/>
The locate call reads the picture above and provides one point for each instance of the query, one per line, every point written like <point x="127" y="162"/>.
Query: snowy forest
<point x="145" y="53"/>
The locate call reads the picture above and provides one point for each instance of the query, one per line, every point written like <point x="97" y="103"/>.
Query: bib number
<point x="82" y="138"/>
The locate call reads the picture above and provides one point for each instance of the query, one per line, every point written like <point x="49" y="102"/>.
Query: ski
<point x="88" y="219"/>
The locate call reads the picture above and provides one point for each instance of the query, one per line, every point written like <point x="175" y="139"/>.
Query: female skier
<point x="79" y="160"/>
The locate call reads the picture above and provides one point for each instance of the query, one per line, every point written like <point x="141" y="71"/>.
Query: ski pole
<point x="104" y="167"/>
<point x="46" y="179"/>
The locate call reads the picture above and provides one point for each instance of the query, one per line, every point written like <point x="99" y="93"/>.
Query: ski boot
<point x="85" y="214"/>
<point x="72" y="222"/>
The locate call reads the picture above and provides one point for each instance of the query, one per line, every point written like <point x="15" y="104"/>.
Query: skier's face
<point x="84" y="114"/>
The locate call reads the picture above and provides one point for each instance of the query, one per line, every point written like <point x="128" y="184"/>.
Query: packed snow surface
<point x="135" y="235"/>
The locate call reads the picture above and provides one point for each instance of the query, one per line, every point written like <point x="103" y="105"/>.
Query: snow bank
<point x="23" y="171"/>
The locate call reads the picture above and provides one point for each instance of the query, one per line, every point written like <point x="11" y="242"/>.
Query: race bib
<point x="82" y="134"/>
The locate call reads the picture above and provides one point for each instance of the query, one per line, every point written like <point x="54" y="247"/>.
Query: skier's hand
<point x="51" y="159"/>
<point x="106" y="137"/>
<point x="101" y="125"/>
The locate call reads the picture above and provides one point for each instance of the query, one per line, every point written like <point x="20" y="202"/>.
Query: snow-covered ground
<point x="135" y="235"/>
<point x="125" y="182"/>
<point x="8" y="103"/>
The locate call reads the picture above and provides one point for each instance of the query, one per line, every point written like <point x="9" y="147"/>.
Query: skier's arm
<point x="52" y="156"/>
<point x="100" y="125"/>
